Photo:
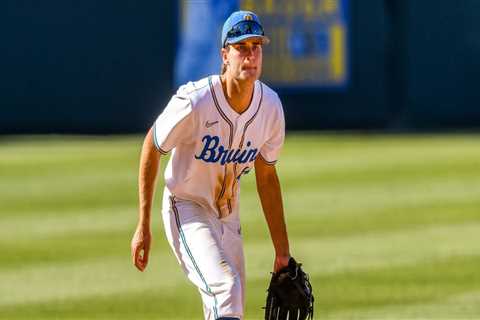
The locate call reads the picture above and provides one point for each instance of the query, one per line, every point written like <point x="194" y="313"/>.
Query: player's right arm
<point x="149" y="164"/>
<point x="174" y="125"/>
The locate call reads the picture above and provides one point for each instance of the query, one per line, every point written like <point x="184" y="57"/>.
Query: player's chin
<point x="250" y="74"/>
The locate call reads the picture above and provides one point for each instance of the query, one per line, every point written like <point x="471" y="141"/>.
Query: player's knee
<point x="233" y="286"/>
<point x="230" y="297"/>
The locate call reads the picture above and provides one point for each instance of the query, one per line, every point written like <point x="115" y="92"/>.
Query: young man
<point x="218" y="129"/>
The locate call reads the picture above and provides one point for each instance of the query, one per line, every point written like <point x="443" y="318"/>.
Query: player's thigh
<point x="196" y="237"/>
<point x="232" y="242"/>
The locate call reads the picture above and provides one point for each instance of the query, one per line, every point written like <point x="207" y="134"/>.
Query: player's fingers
<point x="133" y="250"/>
<point x="140" y="249"/>
<point x="146" y="251"/>
<point x="144" y="260"/>
<point x="140" y="264"/>
<point x="146" y="255"/>
<point x="134" y="243"/>
<point x="282" y="313"/>
<point x="136" y="251"/>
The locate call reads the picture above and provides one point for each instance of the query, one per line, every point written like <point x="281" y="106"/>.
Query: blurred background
<point x="110" y="67"/>
<point x="380" y="170"/>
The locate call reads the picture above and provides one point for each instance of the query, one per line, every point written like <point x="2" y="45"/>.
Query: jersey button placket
<point x="234" y="170"/>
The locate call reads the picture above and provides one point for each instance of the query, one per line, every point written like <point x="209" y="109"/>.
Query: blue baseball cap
<point x="242" y="25"/>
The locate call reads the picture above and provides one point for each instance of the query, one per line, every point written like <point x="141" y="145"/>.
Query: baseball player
<point x="217" y="130"/>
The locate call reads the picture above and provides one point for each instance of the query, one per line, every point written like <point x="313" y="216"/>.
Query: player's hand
<point x="141" y="247"/>
<point x="280" y="262"/>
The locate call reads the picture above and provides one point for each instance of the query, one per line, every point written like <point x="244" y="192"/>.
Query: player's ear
<point x="224" y="53"/>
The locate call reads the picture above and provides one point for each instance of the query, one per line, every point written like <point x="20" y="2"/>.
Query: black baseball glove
<point x="290" y="294"/>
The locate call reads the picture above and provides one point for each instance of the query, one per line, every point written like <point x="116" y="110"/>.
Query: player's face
<point x="244" y="59"/>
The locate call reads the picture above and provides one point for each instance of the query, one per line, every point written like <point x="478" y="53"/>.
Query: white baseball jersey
<point x="212" y="145"/>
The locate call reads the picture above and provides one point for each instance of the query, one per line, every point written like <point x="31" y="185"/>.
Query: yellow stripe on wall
<point x="337" y="53"/>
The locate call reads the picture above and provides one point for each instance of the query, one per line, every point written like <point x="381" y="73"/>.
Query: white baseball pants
<point x="210" y="251"/>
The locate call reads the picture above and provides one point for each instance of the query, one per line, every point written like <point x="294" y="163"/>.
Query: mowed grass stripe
<point x="100" y="276"/>
<point x="68" y="186"/>
<point x="114" y="189"/>
<point x="340" y="145"/>
<point x="375" y="250"/>
<point x="381" y="159"/>
<point x="14" y="148"/>
<point x="382" y="291"/>
<point x="332" y="257"/>
<point x="76" y="193"/>
<point x="398" y="286"/>
<point x="393" y="287"/>
<point x="306" y="223"/>
<point x="456" y="306"/>
<point x="386" y="219"/>
<point x="67" y="174"/>
<point x="383" y="196"/>
<point x="62" y="249"/>
<point x="357" y="171"/>
<point x="54" y="224"/>
<point x="107" y="239"/>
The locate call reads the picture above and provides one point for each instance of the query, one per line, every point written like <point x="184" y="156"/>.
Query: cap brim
<point x="265" y="40"/>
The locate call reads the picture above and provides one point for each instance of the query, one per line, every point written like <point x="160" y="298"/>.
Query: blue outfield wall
<point x="85" y="66"/>
<point x="442" y="64"/>
<point x="108" y="67"/>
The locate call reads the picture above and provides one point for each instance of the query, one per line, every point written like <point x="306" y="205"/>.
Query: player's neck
<point x="238" y="94"/>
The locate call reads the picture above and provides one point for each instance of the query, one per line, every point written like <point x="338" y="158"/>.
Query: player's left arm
<point x="268" y="188"/>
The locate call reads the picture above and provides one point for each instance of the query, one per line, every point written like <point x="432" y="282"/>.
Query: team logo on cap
<point x="247" y="17"/>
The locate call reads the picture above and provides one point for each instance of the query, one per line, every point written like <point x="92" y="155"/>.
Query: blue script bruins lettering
<point x="213" y="152"/>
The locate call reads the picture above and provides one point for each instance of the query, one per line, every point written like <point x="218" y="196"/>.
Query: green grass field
<point x="387" y="226"/>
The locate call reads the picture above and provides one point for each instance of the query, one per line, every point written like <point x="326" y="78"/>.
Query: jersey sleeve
<point x="272" y="146"/>
<point x="174" y="125"/>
